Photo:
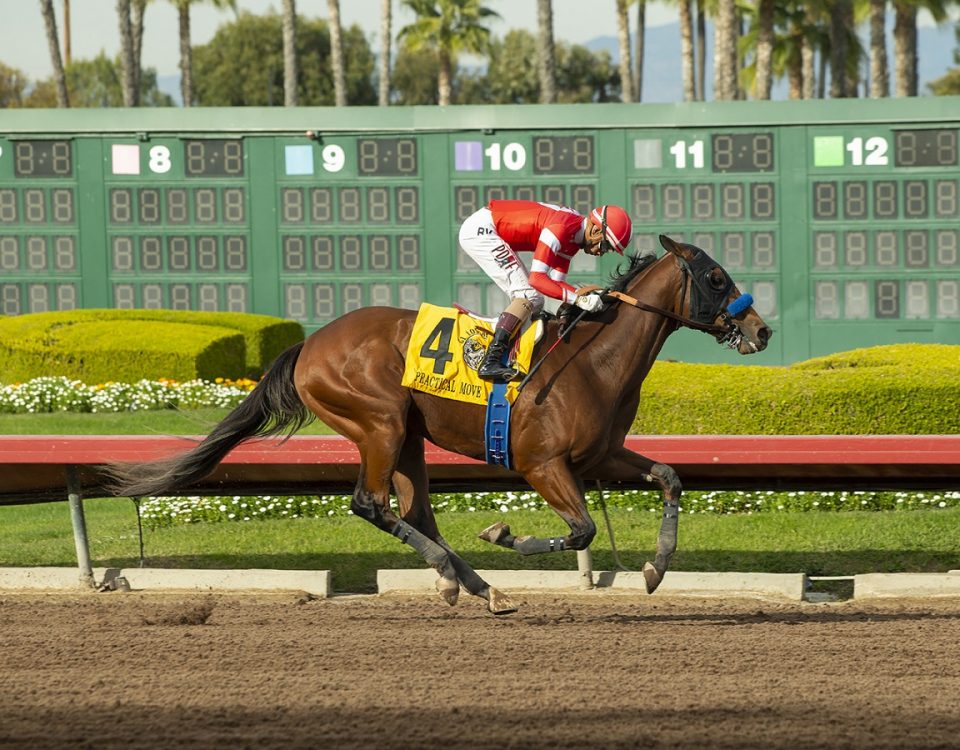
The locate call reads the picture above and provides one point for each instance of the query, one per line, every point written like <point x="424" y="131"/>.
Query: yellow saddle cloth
<point x="446" y="348"/>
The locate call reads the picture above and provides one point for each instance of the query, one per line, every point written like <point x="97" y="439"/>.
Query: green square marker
<point x="828" y="151"/>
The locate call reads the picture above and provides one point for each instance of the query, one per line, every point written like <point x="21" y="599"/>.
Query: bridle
<point x="705" y="307"/>
<point x="727" y="333"/>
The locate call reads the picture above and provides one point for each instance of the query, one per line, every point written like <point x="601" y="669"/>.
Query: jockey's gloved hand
<point x="590" y="302"/>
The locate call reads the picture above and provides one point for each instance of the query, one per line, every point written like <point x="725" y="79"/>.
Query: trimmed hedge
<point x="119" y="350"/>
<point x="100" y="345"/>
<point x="909" y="389"/>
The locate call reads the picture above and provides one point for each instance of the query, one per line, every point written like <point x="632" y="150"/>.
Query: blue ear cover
<point x="740" y="304"/>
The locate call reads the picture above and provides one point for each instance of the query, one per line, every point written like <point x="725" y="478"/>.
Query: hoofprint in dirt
<point x="578" y="671"/>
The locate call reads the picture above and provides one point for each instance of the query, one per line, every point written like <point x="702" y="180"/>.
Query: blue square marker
<point x="299" y="159"/>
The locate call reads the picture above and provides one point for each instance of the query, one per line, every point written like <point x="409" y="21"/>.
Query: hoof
<point x="499" y="603"/>
<point x="449" y="589"/>
<point x="495" y="533"/>
<point x="652" y="577"/>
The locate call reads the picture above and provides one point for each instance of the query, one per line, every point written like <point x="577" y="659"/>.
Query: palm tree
<point x="879" y="75"/>
<point x="53" y="42"/>
<point x="687" y="62"/>
<point x="725" y="51"/>
<point x="640" y="35"/>
<point x="546" y="59"/>
<point x="623" y="38"/>
<point x="905" y="40"/>
<point x="764" y="73"/>
<point x="186" y="52"/>
<point x="290" y="74"/>
<point x="701" y="52"/>
<point x="138" y="10"/>
<point x="447" y="27"/>
<point x="386" y="38"/>
<point x="841" y="18"/>
<point x="66" y="33"/>
<point x="336" y="54"/>
<point x="128" y="85"/>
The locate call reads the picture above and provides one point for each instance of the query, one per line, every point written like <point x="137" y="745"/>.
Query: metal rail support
<point x="79" y="527"/>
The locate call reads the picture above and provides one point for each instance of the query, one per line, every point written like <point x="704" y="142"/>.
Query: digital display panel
<point x="563" y="154"/>
<point x="742" y="152"/>
<point x="42" y="159"/>
<point x="925" y="148"/>
<point x="213" y="158"/>
<point x="391" y="157"/>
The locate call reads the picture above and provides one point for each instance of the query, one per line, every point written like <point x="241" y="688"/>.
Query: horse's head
<point x="709" y="297"/>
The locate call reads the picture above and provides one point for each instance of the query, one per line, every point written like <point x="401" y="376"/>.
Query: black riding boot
<point x="491" y="367"/>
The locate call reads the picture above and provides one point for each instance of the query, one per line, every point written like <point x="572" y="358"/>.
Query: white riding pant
<point x="479" y="239"/>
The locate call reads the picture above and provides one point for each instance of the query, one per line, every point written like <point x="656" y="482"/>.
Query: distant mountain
<point x="662" y="76"/>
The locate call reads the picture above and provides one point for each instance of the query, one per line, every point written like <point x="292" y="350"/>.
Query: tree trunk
<point x="136" y="32"/>
<point x="386" y="39"/>
<point x="186" y="53"/>
<point x="336" y="54"/>
<point x="444" y="78"/>
<point x="687" y="64"/>
<point x="879" y="75"/>
<point x="905" y="48"/>
<point x="764" y="75"/>
<point x="838" y="50"/>
<point x="639" y="45"/>
<point x="724" y="53"/>
<point x="126" y="54"/>
<point x="290" y="74"/>
<point x="700" y="90"/>
<point x="67" y="41"/>
<point x="623" y="38"/>
<point x="807" y="56"/>
<point x="795" y="78"/>
<point x="53" y="42"/>
<point x="546" y="59"/>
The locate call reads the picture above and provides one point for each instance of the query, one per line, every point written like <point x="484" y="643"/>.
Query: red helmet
<point x="616" y="225"/>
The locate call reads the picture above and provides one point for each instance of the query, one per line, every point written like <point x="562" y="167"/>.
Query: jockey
<point x="494" y="235"/>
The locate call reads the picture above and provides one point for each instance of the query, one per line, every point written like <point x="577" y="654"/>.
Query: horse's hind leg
<point x="564" y="492"/>
<point x="411" y="483"/>
<point x="379" y="453"/>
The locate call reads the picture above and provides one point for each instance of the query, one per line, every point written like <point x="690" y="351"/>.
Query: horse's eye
<point x="717" y="279"/>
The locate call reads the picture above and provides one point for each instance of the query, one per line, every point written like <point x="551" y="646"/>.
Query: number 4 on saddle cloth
<point x="446" y="347"/>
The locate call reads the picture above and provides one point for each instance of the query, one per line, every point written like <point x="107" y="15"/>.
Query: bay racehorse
<point x="569" y="421"/>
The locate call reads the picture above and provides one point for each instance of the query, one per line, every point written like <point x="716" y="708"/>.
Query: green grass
<point x="164" y="422"/>
<point x="812" y="543"/>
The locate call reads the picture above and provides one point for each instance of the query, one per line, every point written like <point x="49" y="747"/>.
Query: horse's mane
<point x="620" y="280"/>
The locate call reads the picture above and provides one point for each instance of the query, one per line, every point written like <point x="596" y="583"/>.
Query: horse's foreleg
<point x="625" y="463"/>
<point x="411" y="484"/>
<point x="564" y="492"/>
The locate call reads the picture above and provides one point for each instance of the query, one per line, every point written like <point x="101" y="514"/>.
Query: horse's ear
<point x="676" y="248"/>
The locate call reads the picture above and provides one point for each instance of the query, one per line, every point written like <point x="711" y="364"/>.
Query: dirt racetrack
<point x="580" y="671"/>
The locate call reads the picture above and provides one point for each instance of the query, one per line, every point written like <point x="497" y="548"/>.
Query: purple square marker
<point x="468" y="156"/>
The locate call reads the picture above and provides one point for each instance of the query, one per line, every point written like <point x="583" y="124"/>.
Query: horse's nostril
<point x="764" y="333"/>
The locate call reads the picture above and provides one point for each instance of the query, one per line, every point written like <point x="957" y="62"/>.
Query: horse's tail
<point x="273" y="407"/>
